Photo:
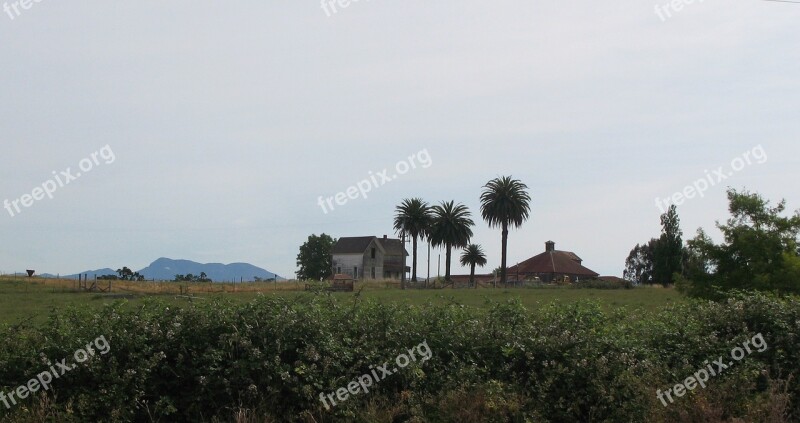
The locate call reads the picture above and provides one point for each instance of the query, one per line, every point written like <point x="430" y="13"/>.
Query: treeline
<point x="760" y="252"/>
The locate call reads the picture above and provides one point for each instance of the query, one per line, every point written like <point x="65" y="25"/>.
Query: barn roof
<point x="559" y="262"/>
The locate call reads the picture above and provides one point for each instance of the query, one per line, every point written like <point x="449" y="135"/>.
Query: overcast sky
<point x="224" y="122"/>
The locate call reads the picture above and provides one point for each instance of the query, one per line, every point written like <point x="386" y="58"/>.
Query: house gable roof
<point x="353" y="245"/>
<point x="359" y="245"/>
<point x="393" y="247"/>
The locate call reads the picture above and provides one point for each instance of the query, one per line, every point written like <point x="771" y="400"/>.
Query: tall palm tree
<point x="413" y="218"/>
<point x="505" y="202"/>
<point x="473" y="255"/>
<point x="450" y="228"/>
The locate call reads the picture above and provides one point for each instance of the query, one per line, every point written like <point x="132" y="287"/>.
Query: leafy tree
<point x="668" y="251"/>
<point x="639" y="264"/>
<point x="660" y="259"/>
<point x="413" y="217"/>
<point x="126" y="274"/>
<point x="450" y="228"/>
<point x="473" y="255"/>
<point x="315" y="259"/>
<point x="760" y="251"/>
<point x="505" y="202"/>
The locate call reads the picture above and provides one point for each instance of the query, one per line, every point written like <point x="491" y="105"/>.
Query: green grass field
<point x="34" y="300"/>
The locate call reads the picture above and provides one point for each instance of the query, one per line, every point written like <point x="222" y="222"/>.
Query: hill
<point x="166" y="269"/>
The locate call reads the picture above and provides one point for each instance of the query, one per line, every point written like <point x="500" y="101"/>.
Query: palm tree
<point x="413" y="218"/>
<point x="450" y="228"/>
<point x="505" y="202"/>
<point x="473" y="255"/>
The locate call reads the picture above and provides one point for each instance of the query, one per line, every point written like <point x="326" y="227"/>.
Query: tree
<point x="505" y="202"/>
<point x="660" y="259"/>
<point x="450" y="228"/>
<point x="315" y="259"/>
<point x="473" y="255"/>
<point x="639" y="264"/>
<point x="760" y="251"/>
<point x="126" y="274"/>
<point x="668" y="252"/>
<point x="413" y="217"/>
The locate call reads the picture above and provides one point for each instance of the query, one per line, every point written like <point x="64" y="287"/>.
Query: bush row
<point x="270" y="359"/>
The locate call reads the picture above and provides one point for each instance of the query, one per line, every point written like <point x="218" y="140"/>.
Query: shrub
<point x="272" y="358"/>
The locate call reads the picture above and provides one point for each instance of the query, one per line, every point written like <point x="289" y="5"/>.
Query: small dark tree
<point x="126" y="274"/>
<point x="472" y="256"/>
<point x="639" y="264"/>
<point x="668" y="251"/>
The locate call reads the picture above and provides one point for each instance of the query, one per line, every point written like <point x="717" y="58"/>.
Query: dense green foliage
<point x="668" y="251"/>
<point x="657" y="261"/>
<point x="315" y="259"/>
<point x="273" y="357"/>
<point x="640" y="262"/>
<point x="760" y="251"/>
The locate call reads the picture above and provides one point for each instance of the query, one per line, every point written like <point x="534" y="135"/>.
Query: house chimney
<point x="549" y="246"/>
<point x="385" y="237"/>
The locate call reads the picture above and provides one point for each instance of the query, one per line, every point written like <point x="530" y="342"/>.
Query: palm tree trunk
<point x="414" y="269"/>
<point x="503" y="275"/>
<point x="447" y="265"/>
<point x="472" y="276"/>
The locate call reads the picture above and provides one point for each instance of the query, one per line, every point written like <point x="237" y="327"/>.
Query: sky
<point x="217" y="132"/>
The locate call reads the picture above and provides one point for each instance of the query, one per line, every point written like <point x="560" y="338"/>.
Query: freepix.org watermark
<point x="665" y="12"/>
<point x="13" y="10"/>
<point x="715" y="368"/>
<point x="43" y="380"/>
<point x="375" y="181"/>
<point x="59" y="180"/>
<point x="366" y="381"/>
<point x="330" y="6"/>
<point x="756" y="155"/>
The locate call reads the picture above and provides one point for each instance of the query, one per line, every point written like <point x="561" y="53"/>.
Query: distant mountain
<point x="165" y="269"/>
<point x="91" y="273"/>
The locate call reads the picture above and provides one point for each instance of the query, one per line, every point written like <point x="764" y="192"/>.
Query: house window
<point x="373" y="271"/>
<point x="355" y="272"/>
<point x="339" y="270"/>
<point x="373" y="253"/>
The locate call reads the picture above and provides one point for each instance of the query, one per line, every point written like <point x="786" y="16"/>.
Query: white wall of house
<point x="368" y="267"/>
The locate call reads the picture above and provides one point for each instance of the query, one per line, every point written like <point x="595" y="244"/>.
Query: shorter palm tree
<point x="473" y="255"/>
